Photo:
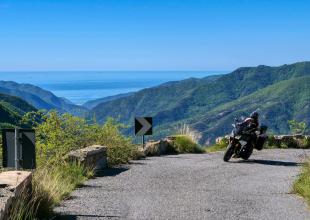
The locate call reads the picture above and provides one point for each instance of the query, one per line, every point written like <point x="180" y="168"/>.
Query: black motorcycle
<point x="243" y="140"/>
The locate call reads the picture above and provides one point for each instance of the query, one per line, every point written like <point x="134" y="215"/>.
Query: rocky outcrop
<point x="161" y="147"/>
<point x="13" y="185"/>
<point x="93" y="157"/>
<point x="290" y="141"/>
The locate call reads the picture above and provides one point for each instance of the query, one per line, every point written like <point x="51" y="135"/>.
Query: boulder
<point x="13" y="185"/>
<point x="157" y="148"/>
<point x="94" y="157"/>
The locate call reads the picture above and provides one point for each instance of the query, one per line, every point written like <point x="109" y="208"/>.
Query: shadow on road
<point x="74" y="217"/>
<point x="270" y="162"/>
<point x="111" y="171"/>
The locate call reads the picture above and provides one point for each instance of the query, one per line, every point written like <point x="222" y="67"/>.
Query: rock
<point x="13" y="184"/>
<point x="94" y="157"/>
<point x="157" y="148"/>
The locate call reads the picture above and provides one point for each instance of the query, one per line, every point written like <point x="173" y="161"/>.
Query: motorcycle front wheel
<point x="245" y="155"/>
<point x="229" y="152"/>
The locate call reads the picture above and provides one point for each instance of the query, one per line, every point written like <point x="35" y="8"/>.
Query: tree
<point x="297" y="127"/>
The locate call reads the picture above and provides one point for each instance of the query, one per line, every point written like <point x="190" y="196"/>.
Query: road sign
<point x="19" y="148"/>
<point x="143" y="126"/>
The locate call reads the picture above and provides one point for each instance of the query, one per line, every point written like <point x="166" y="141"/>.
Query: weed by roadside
<point x="185" y="144"/>
<point x="302" y="184"/>
<point x="218" y="146"/>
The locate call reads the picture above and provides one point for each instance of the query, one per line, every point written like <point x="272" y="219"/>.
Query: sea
<point x="82" y="86"/>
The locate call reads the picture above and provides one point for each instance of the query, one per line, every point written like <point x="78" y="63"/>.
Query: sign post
<point x="19" y="148"/>
<point x="143" y="126"/>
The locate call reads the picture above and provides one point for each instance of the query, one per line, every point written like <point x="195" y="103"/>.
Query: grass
<point x="185" y="144"/>
<point x="218" y="146"/>
<point x="55" y="179"/>
<point x="50" y="185"/>
<point x="302" y="184"/>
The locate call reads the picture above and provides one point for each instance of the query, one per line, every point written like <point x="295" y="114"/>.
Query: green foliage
<point x="11" y="110"/>
<point x="184" y="144"/>
<point x="222" y="145"/>
<point x="209" y="106"/>
<point x="56" y="135"/>
<point x="33" y="119"/>
<point x="289" y="142"/>
<point x="61" y="133"/>
<point x="50" y="185"/>
<point x="302" y="184"/>
<point x="297" y="127"/>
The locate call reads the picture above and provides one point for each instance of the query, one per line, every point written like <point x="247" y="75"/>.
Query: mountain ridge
<point x="183" y="101"/>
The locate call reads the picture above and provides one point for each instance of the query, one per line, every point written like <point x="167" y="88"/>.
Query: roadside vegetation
<point x="302" y="184"/>
<point x="220" y="146"/>
<point x="54" y="179"/>
<point x="185" y="144"/>
<point x="186" y="140"/>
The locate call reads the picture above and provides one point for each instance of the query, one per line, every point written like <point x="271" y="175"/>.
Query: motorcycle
<point x="243" y="140"/>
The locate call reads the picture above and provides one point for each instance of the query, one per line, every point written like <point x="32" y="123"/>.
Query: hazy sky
<point x="152" y="34"/>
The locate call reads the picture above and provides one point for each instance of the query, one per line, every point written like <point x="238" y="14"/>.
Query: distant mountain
<point x="12" y="109"/>
<point x="40" y="98"/>
<point x="209" y="105"/>
<point x="93" y="103"/>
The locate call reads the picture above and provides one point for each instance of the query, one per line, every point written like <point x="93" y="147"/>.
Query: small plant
<point x="297" y="127"/>
<point x="222" y="145"/>
<point x="49" y="186"/>
<point x="302" y="184"/>
<point x="187" y="131"/>
<point x="185" y="144"/>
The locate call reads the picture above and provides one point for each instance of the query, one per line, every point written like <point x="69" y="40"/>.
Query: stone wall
<point x="12" y="185"/>
<point x="290" y="141"/>
<point x="94" y="157"/>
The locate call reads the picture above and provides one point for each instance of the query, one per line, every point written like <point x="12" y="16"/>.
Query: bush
<point x="184" y="144"/>
<point x="289" y="142"/>
<point x="59" y="134"/>
<point x="54" y="179"/>
<point x="302" y="184"/>
<point x="222" y="145"/>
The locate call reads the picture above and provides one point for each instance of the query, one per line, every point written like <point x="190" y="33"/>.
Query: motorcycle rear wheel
<point x="229" y="152"/>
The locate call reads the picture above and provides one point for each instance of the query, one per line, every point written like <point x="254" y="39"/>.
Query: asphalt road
<point x="194" y="186"/>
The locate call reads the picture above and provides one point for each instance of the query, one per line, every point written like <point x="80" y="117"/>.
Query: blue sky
<point x="152" y="35"/>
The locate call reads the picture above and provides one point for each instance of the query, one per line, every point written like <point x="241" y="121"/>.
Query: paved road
<point x="194" y="187"/>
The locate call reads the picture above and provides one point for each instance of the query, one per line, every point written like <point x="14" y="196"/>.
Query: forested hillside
<point x="209" y="105"/>
<point x="12" y="109"/>
<point x="40" y="98"/>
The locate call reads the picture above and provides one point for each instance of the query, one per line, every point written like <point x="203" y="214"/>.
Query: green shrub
<point x="54" y="179"/>
<point x="299" y="143"/>
<point x="184" y="144"/>
<point x="59" y="134"/>
<point x="302" y="184"/>
<point x="272" y="142"/>
<point x="222" y="145"/>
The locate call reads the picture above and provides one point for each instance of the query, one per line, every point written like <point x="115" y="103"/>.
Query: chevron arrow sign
<point x="143" y="126"/>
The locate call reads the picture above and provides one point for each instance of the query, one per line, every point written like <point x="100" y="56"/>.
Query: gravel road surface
<point x="194" y="186"/>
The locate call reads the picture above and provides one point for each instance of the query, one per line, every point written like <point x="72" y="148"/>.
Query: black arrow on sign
<point x="143" y="125"/>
